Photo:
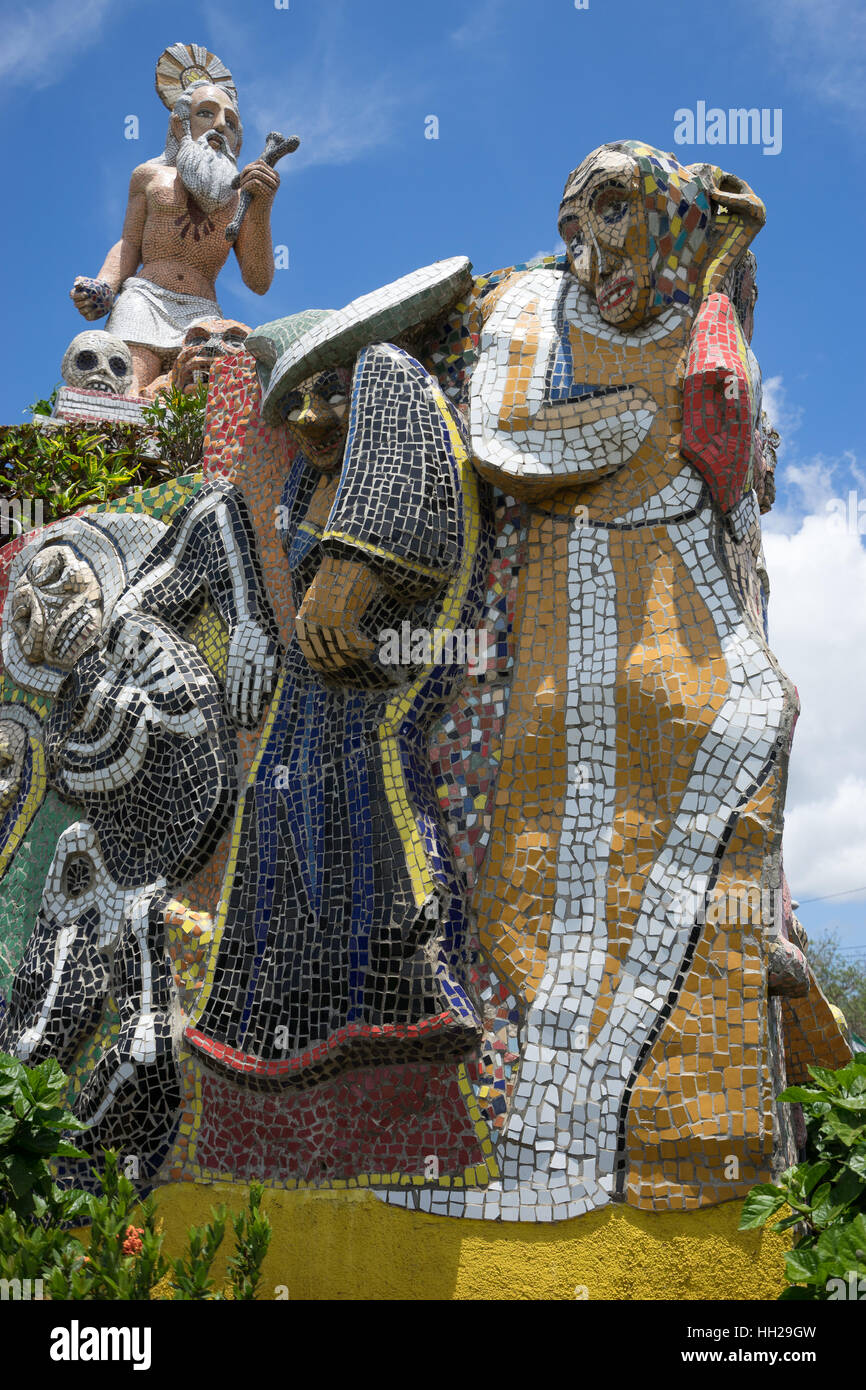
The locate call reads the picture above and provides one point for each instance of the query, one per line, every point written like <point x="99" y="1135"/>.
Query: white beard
<point x="205" y="173"/>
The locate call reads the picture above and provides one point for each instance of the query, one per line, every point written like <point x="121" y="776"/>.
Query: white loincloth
<point x="157" y="318"/>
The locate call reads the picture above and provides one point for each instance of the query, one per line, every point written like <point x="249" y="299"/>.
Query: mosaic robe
<point x="340" y="937"/>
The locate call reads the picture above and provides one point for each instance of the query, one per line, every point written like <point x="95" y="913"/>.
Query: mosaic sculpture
<point x="202" y="345"/>
<point x="139" y="738"/>
<point x="300" y="887"/>
<point x="98" y="361"/>
<point x="341" y="935"/>
<point x="160" y="278"/>
<point x="645" y="750"/>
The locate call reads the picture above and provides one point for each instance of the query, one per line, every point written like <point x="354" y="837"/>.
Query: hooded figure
<point x="645" y="747"/>
<point x="340" y="937"/>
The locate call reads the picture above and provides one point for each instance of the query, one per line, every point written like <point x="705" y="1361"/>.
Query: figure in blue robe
<point x="340" y="939"/>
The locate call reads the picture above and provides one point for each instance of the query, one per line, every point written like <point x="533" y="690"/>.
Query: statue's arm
<point x="125" y="256"/>
<point x="254" y="247"/>
<point x="210" y="548"/>
<point x="720" y="400"/>
<point x="93" y="300"/>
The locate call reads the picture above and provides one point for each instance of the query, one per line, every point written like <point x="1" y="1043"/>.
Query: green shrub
<point x="34" y="1120"/>
<point x="122" y="1259"/>
<point x="826" y="1194"/>
<point x="72" y="463"/>
<point x="176" y="424"/>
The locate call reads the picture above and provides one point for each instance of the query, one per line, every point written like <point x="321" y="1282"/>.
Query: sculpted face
<point x="317" y="416"/>
<point x="603" y="224"/>
<point x="98" y="361"/>
<point x="213" y="117"/>
<point x="210" y="139"/>
<point x="203" y="343"/>
<point x="57" y="608"/>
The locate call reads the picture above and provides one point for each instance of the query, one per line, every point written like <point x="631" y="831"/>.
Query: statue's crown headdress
<point x="185" y="63"/>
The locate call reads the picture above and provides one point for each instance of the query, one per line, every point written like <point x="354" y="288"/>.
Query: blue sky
<point x="521" y="92"/>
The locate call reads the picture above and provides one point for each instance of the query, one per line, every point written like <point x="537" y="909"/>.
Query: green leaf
<point x="848" y="1188"/>
<point x="823" y="1207"/>
<point x="22" y="1176"/>
<point x="802" y="1266"/>
<point x="826" y="1079"/>
<point x="787" y="1222"/>
<point x="810" y="1174"/>
<point x="65" y="1150"/>
<point x="857" y="1162"/>
<point x="847" y="1134"/>
<point x="853" y="1104"/>
<point x="802" y="1095"/>
<point x="842" y="1248"/>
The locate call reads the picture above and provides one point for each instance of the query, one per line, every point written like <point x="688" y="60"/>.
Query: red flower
<point x="133" y="1243"/>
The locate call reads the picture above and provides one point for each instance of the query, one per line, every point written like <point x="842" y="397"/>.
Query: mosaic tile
<point x="399" y="803"/>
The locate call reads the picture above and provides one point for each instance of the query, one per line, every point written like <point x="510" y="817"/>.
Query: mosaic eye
<point x="612" y="205"/>
<point x="615" y="211"/>
<point x="329" y="384"/>
<point x="21" y="620"/>
<point x="49" y="568"/>
<point x="77" y="875"/>
<point x="117" y="365"/>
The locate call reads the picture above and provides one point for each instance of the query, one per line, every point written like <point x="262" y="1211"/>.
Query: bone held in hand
<point x="276" y="146"/>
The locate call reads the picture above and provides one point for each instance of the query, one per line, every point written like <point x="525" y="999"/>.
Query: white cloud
<point x="821" y="44"/>
<point x="804" y="487"/>
<point x="783" y="416"/>
<point x="38" y="45"/>
<point x="337" y="120"/>
<point x="818" y="633"/>
<point x="480" y="25"/>
<point x="339" y="111"/>
<point x="556" y="250"/>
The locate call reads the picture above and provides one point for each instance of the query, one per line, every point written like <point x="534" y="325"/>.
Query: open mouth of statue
<point x="69" y="632"/>
<point x="323" y="446"/>
<point x="106" y="387"/>
<point x="199" y="369"/>
<point x="615" y="293"/>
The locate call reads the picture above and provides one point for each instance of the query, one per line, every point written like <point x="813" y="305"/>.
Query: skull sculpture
<point x="98" y="361"/>
<point x="57" y="608"/>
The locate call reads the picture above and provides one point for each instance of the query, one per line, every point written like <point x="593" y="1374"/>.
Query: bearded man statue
<point x="160" y="278"/>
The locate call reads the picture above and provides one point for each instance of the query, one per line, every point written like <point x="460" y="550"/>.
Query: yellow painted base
<point x="348" y="1245"/>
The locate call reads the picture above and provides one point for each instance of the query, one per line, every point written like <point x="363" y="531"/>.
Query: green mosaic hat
<point x="270" y="340"/>
<point x="292" y="349"/>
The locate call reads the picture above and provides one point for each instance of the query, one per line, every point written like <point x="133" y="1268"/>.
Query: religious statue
<point x="160" y="278"/>
<point x="514" y="945"/>
<point x="648" y="727"/>
<point x="341" y="933"/>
